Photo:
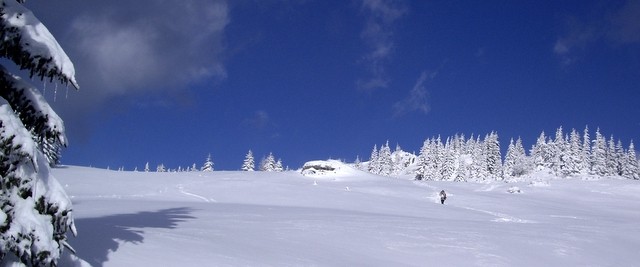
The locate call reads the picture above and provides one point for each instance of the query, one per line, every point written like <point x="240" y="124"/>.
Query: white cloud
<point x="378" y="35"/>
<point x="417" y="100"/>
<point x="128" y="48"/>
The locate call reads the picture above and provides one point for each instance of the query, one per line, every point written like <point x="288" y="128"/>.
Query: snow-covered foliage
<point x="35" y="212"/>
<point x="461" y="159"/>
<point x="249" y="163"/>
<point x="208" y="164"/>
<point x="270" y="164"/>
<point x="387" y="163"/>
<point x="28" y="43"/>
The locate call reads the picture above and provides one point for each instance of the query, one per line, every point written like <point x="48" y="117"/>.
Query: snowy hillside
<point x="287" y="219"/>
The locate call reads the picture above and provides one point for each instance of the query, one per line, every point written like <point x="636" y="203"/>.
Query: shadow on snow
<point x="97" y="237"/>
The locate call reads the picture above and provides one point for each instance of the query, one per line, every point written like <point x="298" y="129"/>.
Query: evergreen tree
<point x="586" y="152"/>
<point x="493" y="156"/>
<point x="146" y="167"/>
<point x="479" y="166"/>
<point x="374" y="161"/>
<point x="631" y="169"/>
<point x="599" y="155"/>
<point x="208" y="164"/>
<point x="540" y="152"/>
<point x="268" y="164"/>
<point x="161" y="168"/>
<point x="611" y="159"/>
<point x="34" y="209"/>
<point x="385" y="161"/>
<point x="557" y="148"/>
<point x="278" y="166"/>
<point x="249" y="163"/>
<point x="422" y="161"/>
<point x="510" y="160"/>
<point x="574" y="155"/>
<point x="448" y="168"/>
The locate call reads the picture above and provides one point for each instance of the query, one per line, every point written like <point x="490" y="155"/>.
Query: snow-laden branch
<point x="32" y="107"/>
<point x="28" y="43"/>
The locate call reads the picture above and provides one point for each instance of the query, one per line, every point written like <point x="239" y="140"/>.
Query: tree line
<point x="459" y="158"/>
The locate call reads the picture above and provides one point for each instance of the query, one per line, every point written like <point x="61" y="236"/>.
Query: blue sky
<point x="170" y="82"/>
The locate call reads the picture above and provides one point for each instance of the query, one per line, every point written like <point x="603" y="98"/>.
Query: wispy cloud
<point x="418" y="98"/>
<point x="259" y="120"/>
<point x="378" y="35"/>
<point x="618" y="27"/>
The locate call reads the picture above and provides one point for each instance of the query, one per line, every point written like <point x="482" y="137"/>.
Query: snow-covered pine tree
<point x="437" y="159"/>
<point x="278" y="166"/>
<point x="599" y="155"/>
<point x="611" y="159"/>
<point x="479" y="165"/>
<point x="631" y="169"/>
<point x="146" y="167"/>
<point x="448" y="168"/>
<point x="539" y="155"/>
<point x="35" y="212"/>
<point x="573" y="155"/>
<point x="509" y="161"/>
<point x="385" y="161"/>
<point x="421" y="171"/>
<point x="268" y="164"/>
<point x="557" y="148"/>
<point x="374" y="162"/>
<point x="493" y="156"/>
<point x="586" y="151"/>
<point x="161" y="168"/>
<point x="208" y="164"/>
<point x="249" y="163"/>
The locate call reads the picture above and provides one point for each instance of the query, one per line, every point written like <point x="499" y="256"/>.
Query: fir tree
<point x="208" y="164"/>
<point x="374" y="161"/>
<point x="599" y="155"/>
<point x="510" y="160"/>
<point x="249" y="163"/>
<point x="421" y="171"/>
<point x="539" y="152"/>
<point x="631" y="169"/>
<point x="586" y="152"/>
<point x="574" y="155"/>
<point x="611" y="158"/>
<point x="493" y="156"/>
<point x="268" y="164"/>
<point x="278" y="166"/>
<point x="146" y="167"/>
<point x="36" y="212"/>
<point x="385" y="161"/>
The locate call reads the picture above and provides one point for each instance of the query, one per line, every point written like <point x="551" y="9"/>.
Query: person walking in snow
<point x="443" y="197"/>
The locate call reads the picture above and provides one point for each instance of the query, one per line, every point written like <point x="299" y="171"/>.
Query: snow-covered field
<point x="347" y="218"/>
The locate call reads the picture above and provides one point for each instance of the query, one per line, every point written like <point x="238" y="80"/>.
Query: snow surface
<point x="287" y="219"/>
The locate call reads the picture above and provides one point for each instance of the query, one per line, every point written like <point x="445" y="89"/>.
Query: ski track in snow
<point x="501" y="217"/>
<point x="181" y="189"/>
